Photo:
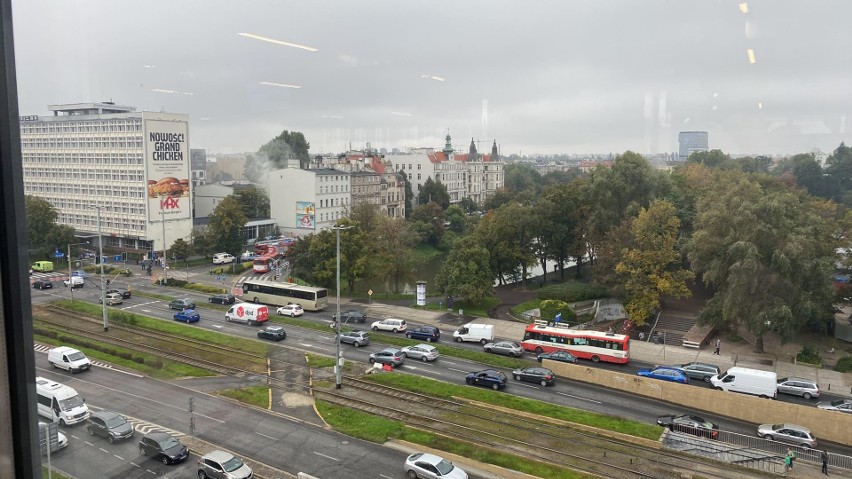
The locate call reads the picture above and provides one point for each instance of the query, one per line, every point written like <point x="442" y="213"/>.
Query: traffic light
<point x="124" y="256"/>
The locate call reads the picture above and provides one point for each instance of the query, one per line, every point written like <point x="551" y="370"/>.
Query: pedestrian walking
<point x="791" y="455"/>
<point x="824" y="457"/>
<point x="718" y="346"/>
<point x="788" y="462"/>
<point x="641" y="335"/>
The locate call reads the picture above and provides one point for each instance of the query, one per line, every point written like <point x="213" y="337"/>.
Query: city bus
<point x="281" y="294"/>
<point x="541" y="337"/>
<point x="264" y="264"/>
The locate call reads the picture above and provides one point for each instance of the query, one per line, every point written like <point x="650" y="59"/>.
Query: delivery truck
<point x="248" y="313"/>
<point x="481" y="333"/>
<point x="747" y="381"/>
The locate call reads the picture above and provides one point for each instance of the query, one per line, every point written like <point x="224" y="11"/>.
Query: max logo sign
<point x="169" y="203"/>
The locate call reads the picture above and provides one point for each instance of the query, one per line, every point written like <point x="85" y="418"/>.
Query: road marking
<point x="216" y="326"/>
<point x="152" y="472"/>
<point x="134" y="464"/>
<point x="527" y="386"/>
<point x="104" y="450"/>
<point x="306" y="345"/>
<point x="118" y="457"/>
<point x="264" y="435"/>
<point x="578" y="397"/>
<point x="449" y="362"/>
<point x="329" y="457"/>
<point x="457" y="370"/>
<point x="386" y="477"/>
<point x="88" y="443"/>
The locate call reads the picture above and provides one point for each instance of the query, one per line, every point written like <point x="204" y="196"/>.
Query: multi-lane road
<point x="283" y="442"/>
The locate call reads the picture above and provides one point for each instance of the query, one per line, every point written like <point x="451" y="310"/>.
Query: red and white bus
<point x="264" y="264"/>
<point x="542" y="337"/>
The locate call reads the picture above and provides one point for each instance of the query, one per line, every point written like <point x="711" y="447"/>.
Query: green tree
<point x="203" y="242"/>
<point x="302" y="262"/>
<point x="558" y="225"/>
<point x="367" y="215"/>
<point x="549" y="308"/>
<point x="434" y="192"/>
<point x="180" y="250"/>
<point x="507" y="234"/>
<point x="466" y="272"/>
<point x="559" y="177"/>
<point x="275" y="153"/>
<point x="457" y="218"/>
<point x="468" y="205"/>
<point x="254" y="202"/>
<point x="428" y="220"/>
<point x="839" y="166"/>
<point x="354" y="255"/>
<point x="226" y="225"/>
<point x="393" y="258"/>
<point x="519" y="177"/>
<point x="41" y="219"/>
<point x="710" y="159"/>
<point x="500" y="197"/>
<point x="651" y="267"/>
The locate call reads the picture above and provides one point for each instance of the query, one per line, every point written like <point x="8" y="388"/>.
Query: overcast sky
<point x="544" y="76"/>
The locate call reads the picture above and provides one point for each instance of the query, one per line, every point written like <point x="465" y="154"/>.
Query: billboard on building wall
<point x="167" y="160"/>
<point x="305" y="215"/>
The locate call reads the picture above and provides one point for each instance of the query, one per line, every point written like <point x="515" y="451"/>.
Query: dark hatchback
<point x="424" y="333"/>
<point x="223" y="298"/>
<point x="42" y="284"/>
<point x="163" y="447"/>
<point x="538" y="374"/>
<point x="689" y="424"/>
<point x="275" y="333"/>
<point x="351" y="316"/>
<point x="110" y="425"/>
<point x="488" y="378"/>
<point x="561" y="356"/>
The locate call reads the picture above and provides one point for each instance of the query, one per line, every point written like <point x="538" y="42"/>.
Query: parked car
<point x="187" y="316"/>
<point x="423" y="352"/>
<point x="695" y="370"/>
<point x="125" y="293"/>
<point x="391" y="356"/>
<point x="351" y="316"/>
<point x="80" y="273"/>
<point x="248" y="256"/>
<point x="222" y="465"/>
<point x="291" y="310"/>
<point x="789" y="433"/>
<point x="798" y="387"/>
<point x="430" y="466"/>
<point x="390" y="324"/>
<point x="536" y="374"/>
<point x="275" y="333"/>
<point x="689" y="424"/>
<point x="562" y="356"/>
<point x="110" y="425"/>
<point x="42" y="284"/>
<point x="506" y="348"/>
<point x="665" y="373"/>
<point x="223" y="299"/>
<point x="163" y="447"/>
<point x="842" y="405"/>
<point x="182" y="303"/>
<point x="355" y="338"/>
<point x="424" y="333"/>
<point x="223" y="258"/>
<point x="111" y="299"/>
<point x="488" y="378"/>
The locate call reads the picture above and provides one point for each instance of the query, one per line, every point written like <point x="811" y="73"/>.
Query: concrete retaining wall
<point x="826" y="425"/>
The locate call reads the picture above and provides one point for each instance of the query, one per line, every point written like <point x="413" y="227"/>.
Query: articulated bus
<point x="281" y="294"/>
<point x="542" y="337"/>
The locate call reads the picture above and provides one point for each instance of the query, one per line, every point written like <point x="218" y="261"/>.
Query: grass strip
<point x="172" y="328"/>
<point x="254" y="395"/>
<point x="317" y="361"/>
<point x="480" y="309"/>
<point x="520" y="309"/>
<point x="167" y="369"/>
<point x="447" y="391"/>
<point x="53" y="472"/>
<point x="378" y="429"/>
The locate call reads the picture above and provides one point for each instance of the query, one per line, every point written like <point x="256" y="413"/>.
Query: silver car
<point x="423" y="352"/>
<point x="799" y="387"/>
<point x="789" y="433"/>
<point x="506" y="348"/>
<point x="222" y="465"/>
<point x="842" y="405"/>
<point x="355" y="338"/>
<point x="430" y="466"/>
<point x="695" y="370"/>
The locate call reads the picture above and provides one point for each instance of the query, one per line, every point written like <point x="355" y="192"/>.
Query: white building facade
<point x="132" y="166"/>
<point x="306" y="201"/>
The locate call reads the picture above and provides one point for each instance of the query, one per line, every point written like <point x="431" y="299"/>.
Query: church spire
<point x="472" y="154"/>
<point x="494" y="155"/>
<point x="448" y="148"/>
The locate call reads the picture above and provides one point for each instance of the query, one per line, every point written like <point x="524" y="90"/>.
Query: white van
<point x="248" y="313"/>
<point x="69" y="359"/>
<point x="481" y="333"/>
<point x="223" y="258"/>
<point x="58" y="402"/>
<point x="747" y="381"/>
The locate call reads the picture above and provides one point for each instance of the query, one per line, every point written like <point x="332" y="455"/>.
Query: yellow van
<point x="43" y="266"/>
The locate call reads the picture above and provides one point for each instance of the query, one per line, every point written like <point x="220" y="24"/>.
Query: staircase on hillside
<point x="673" y="325"/>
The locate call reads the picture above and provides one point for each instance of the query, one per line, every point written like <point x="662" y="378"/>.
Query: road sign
<point x="370" y="292"/>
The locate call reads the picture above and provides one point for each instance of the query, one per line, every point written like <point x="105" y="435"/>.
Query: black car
<point x="689" y="424"/>
<point x="538" y="374"/>
<point x="108" y="424"/>
<point x="488" y="378"/>
<point x="561" y="356"/>
<point x="42" y="284"/>
<point x="181" y="304"/>
<point x="424" y="333"/>
<point x="125" y="293"/>
<point x="351" y="316"/>
<point x="275" y="333"/>
<point x="223" y="298"/>
<point x="163" y="447"/>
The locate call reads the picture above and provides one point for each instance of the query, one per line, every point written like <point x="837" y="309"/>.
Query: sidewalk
<point x="739" y="354"/>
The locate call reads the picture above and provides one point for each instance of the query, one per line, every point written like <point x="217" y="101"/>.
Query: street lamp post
<point x="71" y="283"/>
<point x="339" y="368"/>
<point x="101" y="260"/>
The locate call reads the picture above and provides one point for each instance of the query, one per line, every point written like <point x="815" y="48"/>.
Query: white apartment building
<point x="306" y="201"/>
<point x="132" y="166"/>
<point x="469" y="175"/>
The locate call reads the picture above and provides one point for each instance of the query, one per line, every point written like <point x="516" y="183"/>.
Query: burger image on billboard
<point x="169" y="186"/>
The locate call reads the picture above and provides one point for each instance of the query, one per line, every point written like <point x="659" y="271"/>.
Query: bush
<point x="844" y="365"/>
<point x="809" y="354"/>
<point x="155" y="363"/>
<point x="572" y="292"/>
<point x="551" y="307"/>
<point x="137" y="359"/>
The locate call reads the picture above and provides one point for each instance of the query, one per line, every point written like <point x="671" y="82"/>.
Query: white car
<point x="390" y="324"/>
<point x="291" y="310"/>
<point x="223" y="258"/>
<point x="430" y="466"/>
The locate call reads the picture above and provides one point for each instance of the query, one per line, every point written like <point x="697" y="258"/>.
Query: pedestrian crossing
<point x="41" y="348"/>
<point x="52" y="276"/>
